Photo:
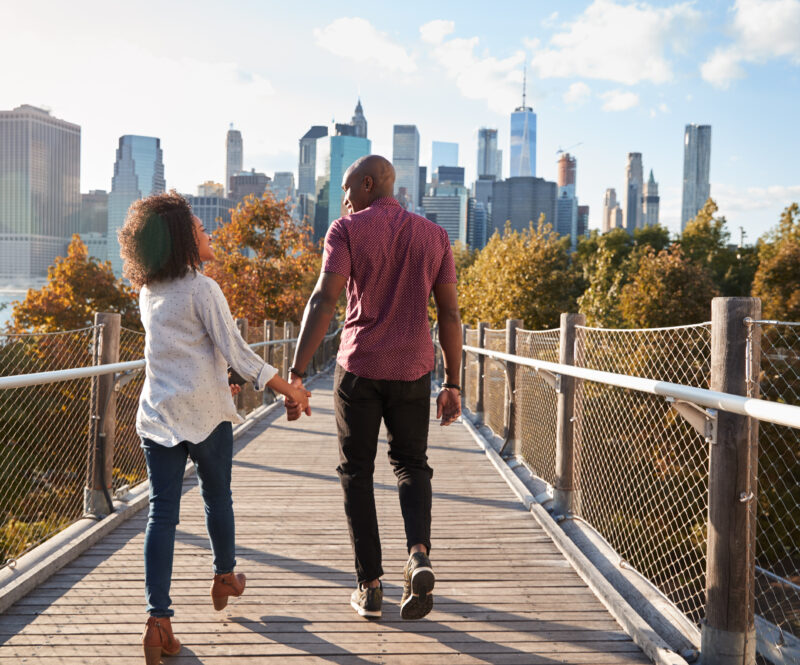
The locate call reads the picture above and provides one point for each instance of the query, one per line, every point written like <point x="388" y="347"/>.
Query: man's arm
<point x="316" y="319"/>
<point x="449" y="400"/>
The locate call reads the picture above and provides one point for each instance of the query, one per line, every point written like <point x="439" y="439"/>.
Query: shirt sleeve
<point x="216" y="316"/>
<point x="336" y="255"/>
<point x="447" y="269"/>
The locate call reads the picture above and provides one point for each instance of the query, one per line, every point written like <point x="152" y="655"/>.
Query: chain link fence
<point x="536" y="402"/>
<point x="777" y="556"/>
<point x="494" y="382"/>
<point x="643" y="470"/>
<point x="43" y="439"/>
<point x="44" y="429"/>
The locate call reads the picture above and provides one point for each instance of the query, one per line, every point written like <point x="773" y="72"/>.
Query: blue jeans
<point x="213" y="459"/>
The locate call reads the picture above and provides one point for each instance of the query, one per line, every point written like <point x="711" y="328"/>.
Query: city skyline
<point x="694" y="64"/>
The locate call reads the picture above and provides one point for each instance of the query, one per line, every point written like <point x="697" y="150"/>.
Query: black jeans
<point x="405" y="408"/>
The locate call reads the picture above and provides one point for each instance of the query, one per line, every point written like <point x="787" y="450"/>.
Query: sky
<point x="605" y="78"/>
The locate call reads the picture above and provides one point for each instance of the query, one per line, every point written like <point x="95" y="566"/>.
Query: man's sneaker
<point x="367" y="602"/>
<point x="418" y="581"/>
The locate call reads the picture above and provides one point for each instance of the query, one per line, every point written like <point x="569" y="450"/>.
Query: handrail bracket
<point x="704" y="421"/>
<point x="550" y="378"/>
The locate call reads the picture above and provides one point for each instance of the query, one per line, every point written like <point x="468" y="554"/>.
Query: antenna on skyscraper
<point x="524" y="81"/>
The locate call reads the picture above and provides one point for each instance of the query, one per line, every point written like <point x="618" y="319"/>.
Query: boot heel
<point x="220" y="603"/>
<point x="152" y="655"/>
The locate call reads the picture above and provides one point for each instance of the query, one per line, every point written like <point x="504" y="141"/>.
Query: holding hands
<point x="448" y="405"/>
<point x="297" y="404"/>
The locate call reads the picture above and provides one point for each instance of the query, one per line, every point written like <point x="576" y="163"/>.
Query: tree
<point x="463" y="256"/>
<point x="266" y="262"/>
<point x="777" y="280"/>
<point x="526" y="275"/>
<point x="603" y="260"/>
<point x="77" y="286"/>
<point x="667" y="290"/>
<point x="706" y="240"/>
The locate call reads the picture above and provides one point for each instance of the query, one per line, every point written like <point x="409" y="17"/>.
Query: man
<point x="390" y="260"/>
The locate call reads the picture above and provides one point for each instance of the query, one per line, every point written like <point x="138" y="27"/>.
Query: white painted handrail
<point x="39" y="378"/>
<point x="774" y="412"/>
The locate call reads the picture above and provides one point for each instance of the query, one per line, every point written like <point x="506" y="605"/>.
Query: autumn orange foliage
<point x="77" y="286"/>
<point x="266" y="263"/>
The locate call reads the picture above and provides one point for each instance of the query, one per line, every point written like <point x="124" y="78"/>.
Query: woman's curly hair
<point x="157" y="241"/>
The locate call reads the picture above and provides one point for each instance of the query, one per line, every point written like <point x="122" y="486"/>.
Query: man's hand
<point x="293" y="408"/>
<point x="235" y="390"/>
<point x="448" y="405"/>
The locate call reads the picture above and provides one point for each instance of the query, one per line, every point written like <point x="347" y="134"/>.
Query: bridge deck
<point x="504" y="593"/>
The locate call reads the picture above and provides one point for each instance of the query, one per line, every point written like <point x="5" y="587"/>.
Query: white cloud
<point x="619" y="100"/>
<point x="358" y="40"/>
<point x="577" y="94"/>
<point x="763" y="30"/>
<point x="550" y="21"/>
<point x="434" y="32"/>
<point x="734" y="199"/>
<point x="497" y="81"/>
<point x="625" y="43"/>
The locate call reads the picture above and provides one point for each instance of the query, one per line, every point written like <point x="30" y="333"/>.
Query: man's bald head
<point x="368" y="178"/>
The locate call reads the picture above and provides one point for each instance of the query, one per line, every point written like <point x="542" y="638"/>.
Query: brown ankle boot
<point x="228" y="584"/>
<point x="158" y="640"/>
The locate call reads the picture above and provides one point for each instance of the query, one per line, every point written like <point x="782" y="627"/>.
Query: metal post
<point x="479" y="378"/>
<point x="511" y="386"/>
<point x="728" y="632"/>
<point x="103" y="418"/>
<point x="566" y="495"/>
<point x="288" y="333"/>
<point x="462" y="379"/>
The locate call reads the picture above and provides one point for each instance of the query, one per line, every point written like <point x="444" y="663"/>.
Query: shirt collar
<point x="385" y="201"/>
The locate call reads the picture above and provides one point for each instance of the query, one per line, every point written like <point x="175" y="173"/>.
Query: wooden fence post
<point x="462" y="379"/>
<point x="267" y="397"/>
<point x="243" y="327"/>
<point x="511" y="386"/>
<point x="566" y="495"/>
<point x="103" y="418"/>
<point x="479" y="378"/>
<point x="288" y="333"/>
<point x="728" y="631"/>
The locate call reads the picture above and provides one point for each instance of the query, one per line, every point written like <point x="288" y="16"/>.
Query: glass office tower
<point x="344" y="151"/>
<point x="138" y="172"/>
<point x="523" y="142"/>
<point x="405" y="158"/>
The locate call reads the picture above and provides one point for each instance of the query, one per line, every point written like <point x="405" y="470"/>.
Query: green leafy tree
<point x="706" y="240"/>
<point x="777" y="280"/>
<point x="526" y="275"/>
<point x="667" y="290"/>
<point x="603" y="260"/>
<point x="77" y="286"/>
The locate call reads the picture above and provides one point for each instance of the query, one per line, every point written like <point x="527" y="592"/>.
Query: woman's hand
<point x="299" y="400"/>
<point x="235" y="390"/>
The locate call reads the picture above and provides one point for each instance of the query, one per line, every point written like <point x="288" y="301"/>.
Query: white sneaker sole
<point x="373" y="614"/>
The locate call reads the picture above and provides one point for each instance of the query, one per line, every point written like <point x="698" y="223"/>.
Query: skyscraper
<point x="523" y="138"/>
<point x="696" y="167"/>
<point x="94" y="213"/>
<point x="632" y="205"/>
<point x="423" y="184"/>
<point x="521" y="201"/>
<point x="213" y="209"/>
<point x="443" y="154"/>
<point x="359" y="121"/>
<point x="447" y="205"/>
<point x="211" y="188"/>
<point x="307" y="167"/>
<point x="488" y="154"/>
<point x="452" y="174"/>
<point x="344" y="151"/>
<point x="609" y="205"/>
<point x="40" y="196"/>
<point x="566" y="222"/>
<point x="477" y="224"/>
<point x="650" y="202"/>
<point x="234" y="151"/>
<point x="405" y="157"/>
<point x="138" y="172"/>
<point x="247" y="183"/>
<point x="583" y="221"/>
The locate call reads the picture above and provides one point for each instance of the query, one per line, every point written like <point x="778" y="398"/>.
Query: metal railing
<point x="66" y="446"/>
<point x="637" y="466"/>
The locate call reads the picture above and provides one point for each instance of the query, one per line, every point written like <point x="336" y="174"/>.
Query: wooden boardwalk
<point x="504" y="593"/>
